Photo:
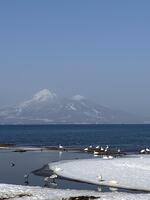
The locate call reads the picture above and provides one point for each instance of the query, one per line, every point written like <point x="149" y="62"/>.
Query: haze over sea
<point x="128" y="137"/>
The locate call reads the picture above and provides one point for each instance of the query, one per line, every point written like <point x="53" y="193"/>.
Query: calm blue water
<point x="128" y="137"/>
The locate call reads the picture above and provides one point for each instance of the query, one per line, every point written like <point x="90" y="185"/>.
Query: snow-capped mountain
<point x="46" y="108"/>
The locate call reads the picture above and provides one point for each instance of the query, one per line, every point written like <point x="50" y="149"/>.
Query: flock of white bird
<point x="145" y="151"/>
<point x="98" y="149"/>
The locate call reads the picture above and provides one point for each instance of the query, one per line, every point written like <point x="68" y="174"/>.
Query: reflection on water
<point x="25" y="163"/>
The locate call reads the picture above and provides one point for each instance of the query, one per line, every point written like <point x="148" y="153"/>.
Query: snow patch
<point x="78" y="97"/>
<point x="18" y="192"/>
<point x="44" y="95"/>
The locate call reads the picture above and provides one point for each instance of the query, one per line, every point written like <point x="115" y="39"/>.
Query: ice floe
<point x="127" y="172"/>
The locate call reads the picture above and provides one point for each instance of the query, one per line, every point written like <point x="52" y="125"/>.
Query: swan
<point x="53" y="176"/>
<point x="96" y="152"/>
<point x="102" y="149"/>
<point x="99" y="177"/>
<point x="142" y="151"/>
<point x="110" y="157"/>
<point x="86" y="149"/>
<point x="60" y="146"/>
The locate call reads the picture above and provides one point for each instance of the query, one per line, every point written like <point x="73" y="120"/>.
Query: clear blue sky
<point x="97" y="48"/>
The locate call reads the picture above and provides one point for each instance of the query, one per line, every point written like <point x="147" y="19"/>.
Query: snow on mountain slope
<point x="46" y="107"/>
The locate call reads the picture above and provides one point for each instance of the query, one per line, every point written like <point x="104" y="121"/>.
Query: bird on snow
<point x="99" y="177"/>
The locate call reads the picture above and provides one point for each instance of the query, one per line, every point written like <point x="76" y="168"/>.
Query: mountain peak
<point x="44" y="95"/>
<point x="78" y="97"/>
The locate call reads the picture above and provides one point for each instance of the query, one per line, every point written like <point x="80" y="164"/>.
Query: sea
<point x="129" y="138"/>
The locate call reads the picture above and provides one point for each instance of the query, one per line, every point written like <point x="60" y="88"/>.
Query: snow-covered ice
<point x="129" y="172"/>
<point x="18" y="192"/>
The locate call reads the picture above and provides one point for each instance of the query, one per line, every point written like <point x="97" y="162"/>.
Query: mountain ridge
<point x="46" y="108"/>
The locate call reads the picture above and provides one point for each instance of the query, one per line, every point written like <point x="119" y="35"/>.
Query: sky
<point x="99" y="49"/>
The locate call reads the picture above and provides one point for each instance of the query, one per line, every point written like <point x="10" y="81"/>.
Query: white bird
<point x="96" y="152"/>
<point x="97" y="147"/>
<point x="90" y="147"/>
<point x="86" y="149"/>
<point x="142" y="151"/>
<point x="110" y="157"/>
<point x="105" y="157"/>
<point x="60" y="146"/>
<point x="53" y="176"/>
<point x="147" y="149"/>
<point x="99" y="189"/>
<point x="106" y="149"/>
<point x="102" y="149"/>
<point x="99" y="177"/>
<point x="57" y="169"/>
<point x="113" y="189"/>
<point x="118" y="150"/>
<point x="113" y="182"/>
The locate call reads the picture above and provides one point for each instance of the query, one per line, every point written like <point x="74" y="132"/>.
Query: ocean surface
<point x="127" y="137"/>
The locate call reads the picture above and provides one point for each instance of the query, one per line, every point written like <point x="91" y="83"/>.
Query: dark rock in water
<point x="81" y="198"/>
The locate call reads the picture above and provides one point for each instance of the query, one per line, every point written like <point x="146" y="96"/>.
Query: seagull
<point x="147" y="149"/>
<point x="97" y="147"/>
<point x="12" y="164"/>
<point x="90" y="147"/>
